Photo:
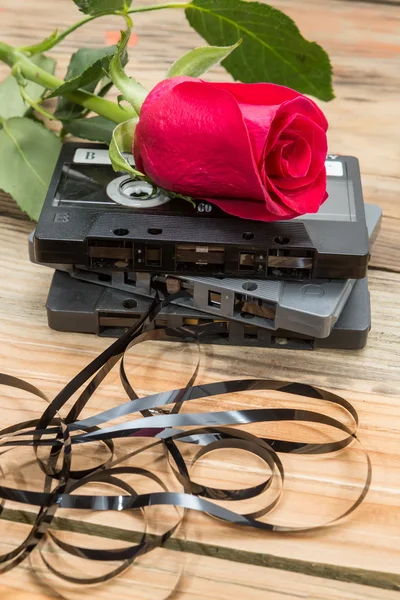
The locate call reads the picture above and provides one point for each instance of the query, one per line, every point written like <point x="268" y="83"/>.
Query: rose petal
<point x="258" y="120"/>
<point x="273" y="163"/>
<point x="290" y="158"/>
<point x="193" y="140"/>
<point x="264" y="94"/>
<point x="288" y="112"/>
<point x="163" y="88"/>
<point x="259" y="103"/>
<point x="306" y="199"/>
<point x="304" y="106"/>
<point x="313" y="144"/>
<point x="296" y="158"/>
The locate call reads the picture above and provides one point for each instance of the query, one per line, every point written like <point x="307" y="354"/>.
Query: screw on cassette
<point x="158" y="417"/>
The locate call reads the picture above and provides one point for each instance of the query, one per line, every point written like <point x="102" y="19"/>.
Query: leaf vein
<point x="24" y="158"/>
<point x="260" y="40"/>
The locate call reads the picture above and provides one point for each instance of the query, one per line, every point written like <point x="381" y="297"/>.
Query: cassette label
<point x="97" y="156"/>
<point x="334" y="168"/>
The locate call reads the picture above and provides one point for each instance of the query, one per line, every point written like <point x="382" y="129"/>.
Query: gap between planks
<point x="377" y="579"/>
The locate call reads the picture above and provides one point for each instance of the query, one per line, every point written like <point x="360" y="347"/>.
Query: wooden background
<point x="360" y="558"/>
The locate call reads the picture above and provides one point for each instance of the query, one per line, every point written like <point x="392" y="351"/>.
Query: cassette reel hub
<point x="135" y="193"/>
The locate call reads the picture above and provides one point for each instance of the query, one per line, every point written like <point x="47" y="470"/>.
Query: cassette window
<point x="153" y="256"/>
<point x="250" y="332"/>
<point x="110" y="254"/>
<point x="214" y="299"/>
<point x="130" y="279"/>
<point x="292" y="343"/>
<point x="250" y="307"/>
<point x="247" y="261"/>
<point x="112" y="320"/>
<point x="284" y="262"/>
<point x="193" y="257"/>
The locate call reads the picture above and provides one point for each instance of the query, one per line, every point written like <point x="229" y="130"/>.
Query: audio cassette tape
<point x="310" y="308"/>
<point x="79" y="306"/>
<point x="104" y="220"/>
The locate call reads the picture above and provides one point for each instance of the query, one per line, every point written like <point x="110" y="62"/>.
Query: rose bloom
<point x="255" y="150"/>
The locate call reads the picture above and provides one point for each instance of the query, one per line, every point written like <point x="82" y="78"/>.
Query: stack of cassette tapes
<point x="298" y="284"/>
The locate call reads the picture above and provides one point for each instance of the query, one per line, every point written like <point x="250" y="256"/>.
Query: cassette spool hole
<point x="136" y="194"/>
<point x="136" y="189"/>
<point x="282" y="240"/>
<point x="249" y="286"/>
<point x="129" y="303"/>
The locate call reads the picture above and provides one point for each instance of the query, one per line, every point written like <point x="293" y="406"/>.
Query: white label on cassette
<point x="334" y="168"/>
<point x="97" y="157"/>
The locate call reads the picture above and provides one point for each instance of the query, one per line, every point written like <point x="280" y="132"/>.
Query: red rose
<point x="256" y="150"/>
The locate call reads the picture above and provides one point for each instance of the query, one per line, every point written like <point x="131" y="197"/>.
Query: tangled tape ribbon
<point x="208" y="430"/>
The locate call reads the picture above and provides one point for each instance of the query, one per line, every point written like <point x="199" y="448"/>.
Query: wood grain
<point x="360" y="558"/>
<point x="201" y="579"/>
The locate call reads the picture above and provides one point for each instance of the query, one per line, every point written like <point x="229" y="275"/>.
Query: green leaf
<point x="132" y="91"/>
<point x="273" y="49"/>
<point x="84" y="58"/>
<point x="121" y="142"/>
<point x="28" y="154"/>
<point x="89" y="74"/>
<point x="95" y="129"/>
<point x="80" y="61"/>
<point x="96" y="7"/>
<point x="11" y="103"/>
<point x="196" y="62"/>
<point x="42" y="46"/>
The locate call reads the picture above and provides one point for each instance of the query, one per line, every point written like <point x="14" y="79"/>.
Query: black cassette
<point x="95" y="217"/>
<point x="79" y="306"/>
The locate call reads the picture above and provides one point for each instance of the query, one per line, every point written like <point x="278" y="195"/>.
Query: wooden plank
<point x="202" y="576"/>
<point x="384" y="2"/>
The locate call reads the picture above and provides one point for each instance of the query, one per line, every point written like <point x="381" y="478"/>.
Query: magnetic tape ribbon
<point x="157" y="417"/>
